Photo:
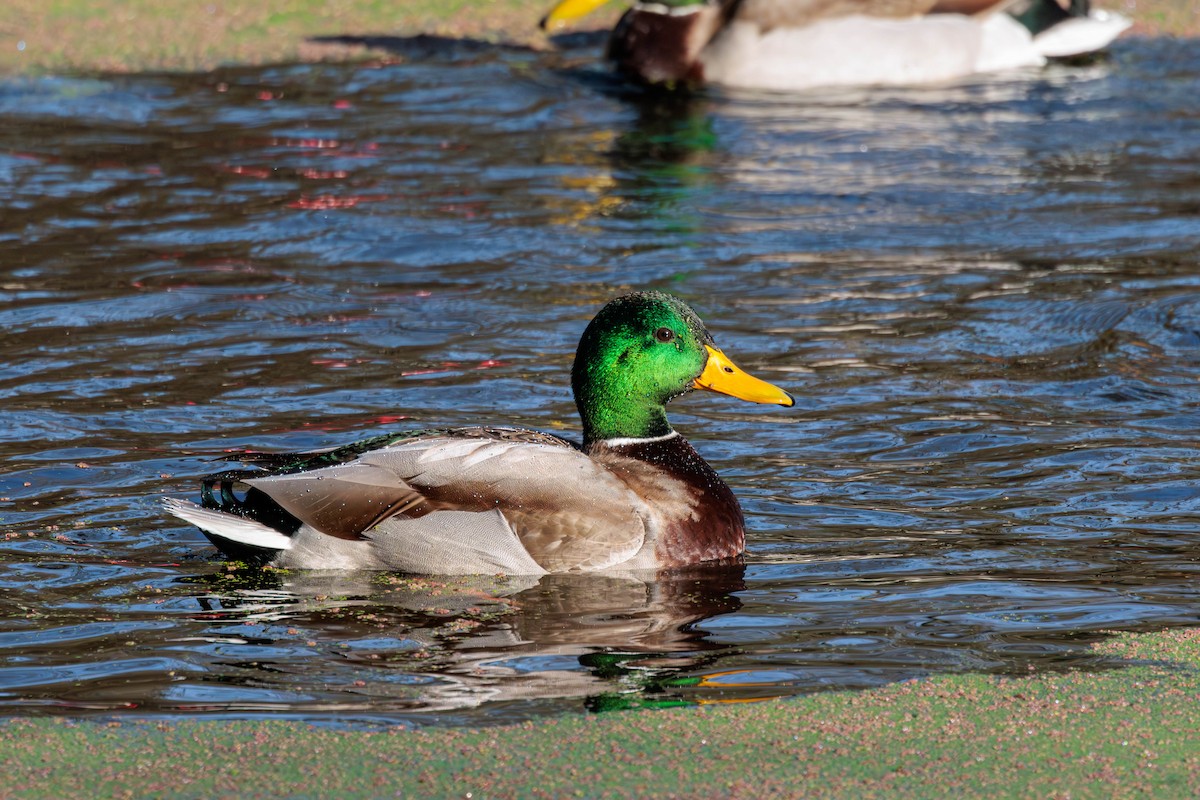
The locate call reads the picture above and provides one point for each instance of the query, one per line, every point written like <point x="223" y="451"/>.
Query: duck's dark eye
<point x="664" y="335"/>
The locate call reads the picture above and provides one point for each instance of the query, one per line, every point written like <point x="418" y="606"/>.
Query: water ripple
<point x="983" y="296"/>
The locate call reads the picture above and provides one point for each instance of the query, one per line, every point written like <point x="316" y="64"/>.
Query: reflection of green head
<point x="639" y="352"/>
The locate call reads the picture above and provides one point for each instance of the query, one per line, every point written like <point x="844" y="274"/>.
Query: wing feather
<point x="341" y="501"/>
<point x="770" y="14"/>
<point x="567" y="511"/>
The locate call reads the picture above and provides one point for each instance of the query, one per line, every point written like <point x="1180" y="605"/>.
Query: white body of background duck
<point x="801" y="44"/>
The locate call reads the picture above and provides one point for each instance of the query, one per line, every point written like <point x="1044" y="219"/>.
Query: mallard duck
<point x="800" y="44"/>
<point x="635" y="495"/>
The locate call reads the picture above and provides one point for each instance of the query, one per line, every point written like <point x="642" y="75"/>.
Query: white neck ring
<point x="625" y="441"/>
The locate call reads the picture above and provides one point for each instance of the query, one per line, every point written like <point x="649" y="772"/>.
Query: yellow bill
<point x="723" y="376"/>
<point x="567" y="10"/>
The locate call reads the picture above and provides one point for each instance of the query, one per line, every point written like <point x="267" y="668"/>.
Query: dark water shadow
<point x="424" y="46"/>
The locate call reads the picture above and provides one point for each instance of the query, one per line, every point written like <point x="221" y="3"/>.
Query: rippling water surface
<point x="985" y="298"/>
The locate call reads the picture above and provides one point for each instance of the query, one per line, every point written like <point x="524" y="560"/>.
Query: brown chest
<point x="699" y="518"/>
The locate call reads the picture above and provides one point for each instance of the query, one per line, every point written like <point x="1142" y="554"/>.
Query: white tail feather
<point x="228" y="526"/>
<point x="1079" y="35"/>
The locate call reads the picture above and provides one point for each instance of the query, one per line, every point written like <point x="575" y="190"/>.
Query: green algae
<point x="1125" y="732"/>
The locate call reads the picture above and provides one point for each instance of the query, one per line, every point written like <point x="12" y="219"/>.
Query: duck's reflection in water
<point x="613" y="641"/>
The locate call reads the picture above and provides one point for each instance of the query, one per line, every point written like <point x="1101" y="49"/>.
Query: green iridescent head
<point x="643" y="350"/>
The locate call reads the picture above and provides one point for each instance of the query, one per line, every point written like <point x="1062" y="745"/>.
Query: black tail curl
<point x="217" y="492"/>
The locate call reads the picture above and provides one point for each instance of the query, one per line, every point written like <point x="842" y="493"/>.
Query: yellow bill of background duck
<point x="569" y="10"/>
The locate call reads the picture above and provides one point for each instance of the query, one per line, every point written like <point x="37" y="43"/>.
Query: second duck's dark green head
<point x="643" y="350"/>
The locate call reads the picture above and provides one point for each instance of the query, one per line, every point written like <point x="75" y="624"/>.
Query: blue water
<point x="984" y="297"/>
